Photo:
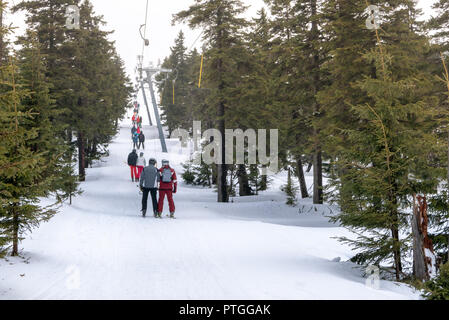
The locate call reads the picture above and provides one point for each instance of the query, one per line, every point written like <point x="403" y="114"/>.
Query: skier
<point x="138" y="130"/>
<point x="134" y="119"/>
<point x="168" y="186"/>
<point x="135" y="140"/>
<point x="133" y="130"/>
<point x="148" y="184"/>
<point x="132" y="162"/>
<point x="141" y="163"/>
<point x="142" y="140"/>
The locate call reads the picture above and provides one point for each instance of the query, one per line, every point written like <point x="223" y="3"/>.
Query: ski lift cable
<point x="145" y="40"/>
<point x="176" y="71"/>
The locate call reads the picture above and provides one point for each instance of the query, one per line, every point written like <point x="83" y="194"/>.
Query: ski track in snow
<point x="253" y="248"/>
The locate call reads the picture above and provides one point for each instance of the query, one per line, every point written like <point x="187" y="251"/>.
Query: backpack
<point x="166" y="175"/>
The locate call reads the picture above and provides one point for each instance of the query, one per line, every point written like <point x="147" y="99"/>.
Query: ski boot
<point x="172" y="215"/>
<point x="144" y="213"/>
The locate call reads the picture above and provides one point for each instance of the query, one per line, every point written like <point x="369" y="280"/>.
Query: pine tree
<point x="299" y="55"/>
<point x="386" y="159"/>
<point x="438" y="288"/>
<point x="22" y="170"/>
<point x="175" y="88"/>
<point x="86" y="76"/>
<point x="290" y="189"/>
<point x="439" y="27"/>
<point x="222" y="31"/>
<point x="344" y="22"/>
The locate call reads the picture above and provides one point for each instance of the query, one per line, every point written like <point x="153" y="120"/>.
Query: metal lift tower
<point x="150" y="72"/>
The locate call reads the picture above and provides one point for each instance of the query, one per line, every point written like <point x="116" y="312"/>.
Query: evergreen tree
<point x="175" y="89"/>
<point x="299" y="55"/>
<point x="387" y="156"/>
<point x="87" y="77"/>
<point x="439" y="27"/>
<point x="23" y="177"/>
<point x="438" y="288"/>
<point x="290" y="189"/>
<point x="222" y="32"/>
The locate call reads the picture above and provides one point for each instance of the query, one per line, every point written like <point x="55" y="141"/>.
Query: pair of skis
<point x="159" y="216"/>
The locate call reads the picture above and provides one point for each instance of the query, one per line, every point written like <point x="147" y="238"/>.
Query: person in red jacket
<point x="167" y="187"/>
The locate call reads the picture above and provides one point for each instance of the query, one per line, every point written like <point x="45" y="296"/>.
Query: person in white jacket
<point x="141" y="163"/>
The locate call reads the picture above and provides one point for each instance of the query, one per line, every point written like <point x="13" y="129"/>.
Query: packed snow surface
<point x="252" y="248"/>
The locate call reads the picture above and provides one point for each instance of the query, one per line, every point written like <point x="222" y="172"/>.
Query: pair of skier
<point x="164" y="180"/>
<point x="136" y="163"/>
<point x="138" y="140"/>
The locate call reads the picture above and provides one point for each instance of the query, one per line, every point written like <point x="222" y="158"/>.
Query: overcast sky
<point x="126" y="16"/>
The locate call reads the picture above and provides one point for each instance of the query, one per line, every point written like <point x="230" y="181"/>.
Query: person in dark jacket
<point x="142" y="140"/>
<point x="149" y="181"/>
<point x="136" y="140"/>
<point x="132" y="162"/>
<point x="133" y="130"/>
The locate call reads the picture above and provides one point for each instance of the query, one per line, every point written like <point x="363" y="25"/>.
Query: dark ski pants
<point x="171" y="204"/>
<point x="135" y="145"/>
<point x="146" y="192"/>
<point x="142" y="144"/>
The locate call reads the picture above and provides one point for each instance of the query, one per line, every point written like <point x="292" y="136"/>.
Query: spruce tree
<point x="222" y="26"/>
<point x="299" y="53"/>
<point x="175" y="88"/>
<point x="290" y="189"/>
<point x="23" y="179"/>
<point x="386" y="158"/>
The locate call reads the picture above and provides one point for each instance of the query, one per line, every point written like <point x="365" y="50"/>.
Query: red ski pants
<point x="133" y="172"/>
<point x="171" y="204"/>
<point x="139" y="171"/>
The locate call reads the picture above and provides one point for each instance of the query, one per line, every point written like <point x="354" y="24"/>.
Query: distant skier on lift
<point x="167" y="187"/>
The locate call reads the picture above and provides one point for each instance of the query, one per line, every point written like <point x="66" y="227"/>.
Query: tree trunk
<point x="301" y="178"/>
<point x="317" y="157"/>
<point x="244" y="188"/>
<point x="396" y="241"/>
<point x="448" y="188"/>
<point x="222" y="168"/>
<point x="396" y="252"/>
<point x="264" y="180"/>
<point x="419" y="265"/>
<point x="214" y="174"/>
<point x="81" y="157"/>
<point x="317" y="177"/>
<point x="231" y="181"/>
<point x="309" y="167"/>
<point x="423" y="254"/>
<point x="210" y="175"/>
<point x="15" y="239"/>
